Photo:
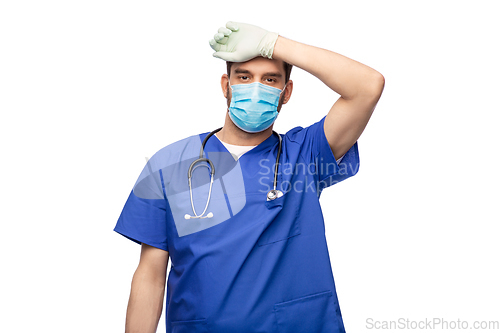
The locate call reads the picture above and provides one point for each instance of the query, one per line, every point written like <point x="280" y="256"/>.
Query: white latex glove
<point x="239" y="42"/>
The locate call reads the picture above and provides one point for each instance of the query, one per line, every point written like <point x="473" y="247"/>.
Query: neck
<point x="233" y="135"/>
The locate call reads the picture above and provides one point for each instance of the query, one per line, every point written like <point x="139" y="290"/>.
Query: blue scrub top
<point x="256" y="265"/>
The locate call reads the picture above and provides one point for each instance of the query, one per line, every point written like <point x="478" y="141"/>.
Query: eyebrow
<point x="244" y="71"/>
<point x="241" y="71"/>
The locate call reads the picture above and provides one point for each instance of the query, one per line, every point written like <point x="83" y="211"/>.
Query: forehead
<point x="260" y="65"/>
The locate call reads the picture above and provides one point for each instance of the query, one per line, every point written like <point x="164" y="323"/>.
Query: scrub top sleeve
<point x="315" y="149"/>
<point x="146" y="212"/>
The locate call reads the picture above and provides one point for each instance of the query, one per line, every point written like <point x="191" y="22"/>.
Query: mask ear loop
<point x="282" y="90"/>
<point x="227" y="94"/>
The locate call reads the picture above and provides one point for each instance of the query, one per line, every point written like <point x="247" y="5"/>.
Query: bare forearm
<point x="345" y="76"/>
<point x="145" y="304"/>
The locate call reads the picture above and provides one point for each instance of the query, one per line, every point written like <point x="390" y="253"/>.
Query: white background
<point x="88" y="89"/>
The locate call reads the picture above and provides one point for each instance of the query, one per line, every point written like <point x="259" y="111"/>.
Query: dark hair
<point x="288" y="69"/>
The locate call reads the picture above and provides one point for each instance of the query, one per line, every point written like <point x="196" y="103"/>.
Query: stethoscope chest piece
<point x="274" y="194"/>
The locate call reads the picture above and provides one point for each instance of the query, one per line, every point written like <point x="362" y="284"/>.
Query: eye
<point x="270" y="80"/>
<point x="243" y="77"/>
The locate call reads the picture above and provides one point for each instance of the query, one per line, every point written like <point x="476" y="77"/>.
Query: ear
<point x="224" y="82"/>
<point x="288" y="91"/>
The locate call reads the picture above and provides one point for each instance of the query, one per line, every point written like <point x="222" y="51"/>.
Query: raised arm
<point x="358" y="85"/>
<point x="148" y="288"/>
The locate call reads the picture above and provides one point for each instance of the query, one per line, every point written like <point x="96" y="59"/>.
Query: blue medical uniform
<point x="256" y="265"/>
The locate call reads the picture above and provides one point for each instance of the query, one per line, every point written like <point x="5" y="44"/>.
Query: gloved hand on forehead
<point x="239" y="42"/>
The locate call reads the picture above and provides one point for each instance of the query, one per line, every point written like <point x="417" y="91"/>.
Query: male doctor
<point x="248" y="262"/>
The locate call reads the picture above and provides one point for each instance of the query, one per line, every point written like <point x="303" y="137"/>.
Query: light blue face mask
<point x="254" y="106"/>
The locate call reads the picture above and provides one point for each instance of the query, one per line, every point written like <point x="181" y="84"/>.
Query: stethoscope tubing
<point x="271" y="195"/>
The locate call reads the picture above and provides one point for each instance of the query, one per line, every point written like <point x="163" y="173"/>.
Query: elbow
<point x="378" y="84"/>
<point x="372" y="88"/>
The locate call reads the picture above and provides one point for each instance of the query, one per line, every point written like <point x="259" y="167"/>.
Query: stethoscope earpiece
<point x="188" y="217"/>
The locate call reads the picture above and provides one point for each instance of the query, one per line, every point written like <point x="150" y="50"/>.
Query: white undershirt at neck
<point x="235" y="150"/>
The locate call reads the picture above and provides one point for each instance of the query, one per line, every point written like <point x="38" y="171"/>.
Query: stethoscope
<point x="271" y="195"/>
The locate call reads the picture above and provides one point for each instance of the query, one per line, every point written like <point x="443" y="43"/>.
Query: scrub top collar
<point x="215" y="145"/>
